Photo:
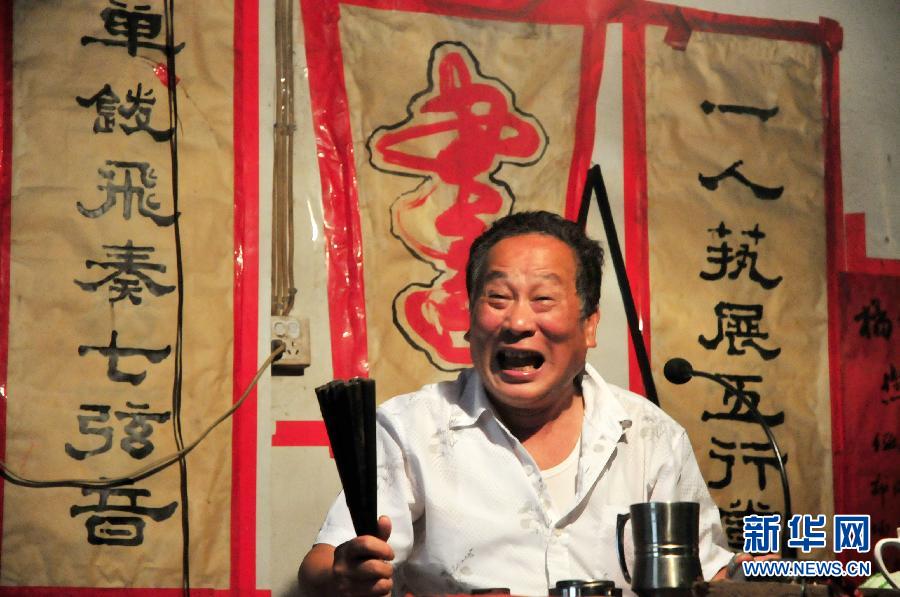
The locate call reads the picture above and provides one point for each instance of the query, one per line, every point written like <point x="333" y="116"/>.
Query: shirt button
<point x="529" y="470"/>
<point x="558" y="532"/>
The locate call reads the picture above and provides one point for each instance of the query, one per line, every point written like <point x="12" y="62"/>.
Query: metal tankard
<point x="666" y="547"/>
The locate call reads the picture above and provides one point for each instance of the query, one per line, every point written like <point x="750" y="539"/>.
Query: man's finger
<point x="367" y="548"/>
<point x="384" y="528"/>
<point x="369" y="570"/>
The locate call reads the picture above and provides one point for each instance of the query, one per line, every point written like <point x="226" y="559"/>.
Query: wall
<point x="296" y="484"/>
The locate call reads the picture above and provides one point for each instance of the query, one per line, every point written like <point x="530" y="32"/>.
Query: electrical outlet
<point x="295" y="335"/>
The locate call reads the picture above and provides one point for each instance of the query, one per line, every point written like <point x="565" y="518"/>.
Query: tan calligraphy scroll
<point x="737" y="238"/>
<point x="455" y="122"/>
<point x="105" y="373"/>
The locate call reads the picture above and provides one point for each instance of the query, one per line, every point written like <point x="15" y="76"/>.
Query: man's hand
<point x="361" y="566"/>
<point x="729" y="571"/>
<point x="358" y="568"/>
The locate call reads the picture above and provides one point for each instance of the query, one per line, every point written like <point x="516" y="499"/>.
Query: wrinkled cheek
<point x="479" y="340"/>
<point x="484" y="324"/>
<point x="558" y="331"/>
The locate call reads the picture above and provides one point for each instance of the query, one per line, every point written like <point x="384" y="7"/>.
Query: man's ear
<point x="590" y="328"/>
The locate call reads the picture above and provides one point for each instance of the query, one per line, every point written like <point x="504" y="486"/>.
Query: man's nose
<point x="520" y="318"/>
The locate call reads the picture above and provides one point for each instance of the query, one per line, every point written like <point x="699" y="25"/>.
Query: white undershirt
<point x="560" y="480"/>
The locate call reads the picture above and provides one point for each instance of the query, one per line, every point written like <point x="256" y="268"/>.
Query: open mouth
<point x="510" y="359"/>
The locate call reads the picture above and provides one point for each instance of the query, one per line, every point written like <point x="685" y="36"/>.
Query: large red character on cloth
<point x="458" y="132"/>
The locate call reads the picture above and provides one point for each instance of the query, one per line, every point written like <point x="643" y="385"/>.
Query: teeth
<point x="519" y="359"/>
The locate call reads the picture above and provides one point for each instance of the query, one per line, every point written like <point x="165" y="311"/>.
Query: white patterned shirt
<point x="470" y="509"/>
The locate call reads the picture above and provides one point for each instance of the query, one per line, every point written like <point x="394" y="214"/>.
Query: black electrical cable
<point x="149" y="470"/>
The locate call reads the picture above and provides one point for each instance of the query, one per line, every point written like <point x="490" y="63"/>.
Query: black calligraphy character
<point x="744" y="254"/>
<point x="891" y="385"/>
<point x="754" y="234"/>
<point x="761" y="462"/>
<point x="739" y="411"/>
<point x="733" y="520"/>
<point x="878" y="488"/>
<point x="129" y="191"/>
<point x="134" y="26"/>
<point x="759" y="191"/>
<point x="743" y="323"/>
<point x="762" y="113"/>
<point x="105" y="102"/>
<point x="728" y="459"/>
<point x="874" y="321"/>
<point x="140" y="107"/>
<point x="126" y="277"/>
<point x="84" y="427"/>
<point x="138" y="429"/>
<point x="113" y="352"/>
<point x="721" y="230"/>
<point x="119" y="530"/>
<point x="885" y="442"/>
<point x="720" y="256"/>
<point x="723" y="255"/>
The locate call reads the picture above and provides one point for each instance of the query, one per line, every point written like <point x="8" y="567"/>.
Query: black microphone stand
<point x="679" y="371"/>
<point x="593" y="184"/>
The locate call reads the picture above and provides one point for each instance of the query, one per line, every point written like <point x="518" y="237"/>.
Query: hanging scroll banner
<point x="737" y="259"/>
<point x="121" y="282"/>
<point x="461" y="116"/>
<point x="869" y="456"/>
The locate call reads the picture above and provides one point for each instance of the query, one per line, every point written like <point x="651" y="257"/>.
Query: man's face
<point x="527" y="337"/>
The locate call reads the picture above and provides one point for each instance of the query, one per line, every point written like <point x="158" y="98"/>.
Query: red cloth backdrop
<point x="867" y="416"/>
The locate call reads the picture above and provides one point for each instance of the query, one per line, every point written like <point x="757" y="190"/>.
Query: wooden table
<point x="722" y="588"/>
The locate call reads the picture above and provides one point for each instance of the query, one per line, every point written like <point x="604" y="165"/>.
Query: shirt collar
<point x="473" y="402"/>
<point x="604" y="427"/>
<point x="604" y="417"/>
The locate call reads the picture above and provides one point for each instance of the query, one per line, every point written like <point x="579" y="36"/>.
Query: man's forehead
<point x="533" y="250"/>
<point x="543" y="275"/>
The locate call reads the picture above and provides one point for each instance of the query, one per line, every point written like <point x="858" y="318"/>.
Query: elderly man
<point x="513" y="474"/>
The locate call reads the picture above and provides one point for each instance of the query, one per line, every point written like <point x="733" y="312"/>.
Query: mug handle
<point x="879" y="561"/>
<point x="621" y="519"/>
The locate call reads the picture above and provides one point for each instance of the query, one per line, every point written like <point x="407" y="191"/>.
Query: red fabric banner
<point x="427" y="132"/>
<point x="868" y="455"/>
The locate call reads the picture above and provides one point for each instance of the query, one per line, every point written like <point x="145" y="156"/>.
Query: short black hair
<point x="588" y="252"/>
